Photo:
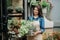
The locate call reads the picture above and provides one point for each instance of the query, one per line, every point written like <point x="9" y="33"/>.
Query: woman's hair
<point x="40" y="14"/>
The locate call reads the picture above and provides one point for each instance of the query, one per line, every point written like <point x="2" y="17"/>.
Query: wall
<point x="55" y="13"/>
<point x="18" y="3"/>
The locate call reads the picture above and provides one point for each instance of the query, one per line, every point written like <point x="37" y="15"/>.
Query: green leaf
<point x="44" y="4"/>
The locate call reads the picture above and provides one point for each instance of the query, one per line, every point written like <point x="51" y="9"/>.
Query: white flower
<point x="25" y="27"/>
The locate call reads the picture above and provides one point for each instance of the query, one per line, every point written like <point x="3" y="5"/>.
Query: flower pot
<point x="44" y="11"/>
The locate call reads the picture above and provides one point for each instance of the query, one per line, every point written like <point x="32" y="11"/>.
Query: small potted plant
<point x="10" y="9"/>
<point x="34" y="3"/>
<point x="19" y="10"/>
<point x="44" y="6"/>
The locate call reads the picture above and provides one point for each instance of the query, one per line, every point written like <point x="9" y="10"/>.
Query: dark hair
<point x="40" y="14"/>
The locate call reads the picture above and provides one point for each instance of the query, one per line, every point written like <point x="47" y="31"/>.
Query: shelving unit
<point x="0" y="21"/>
<point x="12" y="16"/>
<point x="4" y="18"/>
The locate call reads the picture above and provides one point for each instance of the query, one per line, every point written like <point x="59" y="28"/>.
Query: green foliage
<point x="10" y="9"/>
<point x="26" y="25"/>
<point x="55" y="36"/>
<point x="19" y="10"/>
<point x="44" y="4"/>
<point x="36" y="3"/>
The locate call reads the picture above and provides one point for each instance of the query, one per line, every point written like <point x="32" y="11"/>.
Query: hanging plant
<point x="33" y="3"/>
<point x="36" y="3"/>
<point x="29" y="1"/>
<point x="44" y="4"/>
<point x="19" y="10"/>
<point x="10" y="9"/>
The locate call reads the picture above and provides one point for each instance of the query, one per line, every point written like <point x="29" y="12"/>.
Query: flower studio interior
<point x="29" y="20"/>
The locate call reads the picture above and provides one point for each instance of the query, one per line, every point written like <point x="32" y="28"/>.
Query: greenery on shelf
<point x="10" y="9"/>
<point x="19" y="10"/>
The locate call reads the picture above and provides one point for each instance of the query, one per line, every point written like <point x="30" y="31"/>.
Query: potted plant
<point x="10" y="9"/>
<point x="34" y="3"/>
<point x="44" y="4"/>
<point x="19" y="10"/>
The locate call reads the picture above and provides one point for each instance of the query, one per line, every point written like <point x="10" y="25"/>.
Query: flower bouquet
<point x="22" y="27"/>
<point x="25" y="28"/>
<point x="51" y="36"/>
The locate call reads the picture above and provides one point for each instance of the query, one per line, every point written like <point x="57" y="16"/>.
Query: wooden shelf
<point x="15" y="15"/>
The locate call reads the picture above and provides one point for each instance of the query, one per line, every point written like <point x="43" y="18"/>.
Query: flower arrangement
<point x="51" y="36"/>
<point x="23" y="29"/>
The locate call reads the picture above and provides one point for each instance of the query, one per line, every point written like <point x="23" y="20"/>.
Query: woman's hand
<point x="36" y="33"/>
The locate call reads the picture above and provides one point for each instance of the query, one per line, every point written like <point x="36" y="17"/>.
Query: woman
<point x="38" y="22"/>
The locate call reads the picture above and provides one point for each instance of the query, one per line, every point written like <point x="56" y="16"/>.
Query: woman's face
<point x="35" y="11"/>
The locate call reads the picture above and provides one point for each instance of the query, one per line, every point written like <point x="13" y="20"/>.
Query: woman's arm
<point x="42" y="24"/>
